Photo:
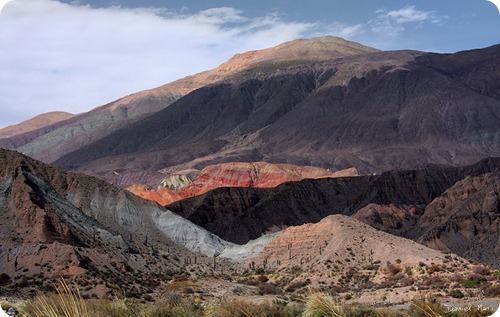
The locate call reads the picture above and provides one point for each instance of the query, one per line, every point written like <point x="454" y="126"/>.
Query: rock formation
<point x="236" y="174"/>
<point x="57" y="224"/>
<point x="465" y="219"/>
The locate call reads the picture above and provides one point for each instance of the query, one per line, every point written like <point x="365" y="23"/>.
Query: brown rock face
<point x="238" y="174"/>
<point x="466" y="219"/>
<point x="390" y="218"/>
<point x="57" y="224"/>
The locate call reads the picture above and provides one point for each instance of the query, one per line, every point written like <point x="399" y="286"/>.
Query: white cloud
<point x="392" y="23"/>
<point x="408" y="14"/>
<point x="56" y="56"/>
<point x="386" y="30"/>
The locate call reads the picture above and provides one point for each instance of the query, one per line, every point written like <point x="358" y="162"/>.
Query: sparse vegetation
<point x="310" y="293"/>
<point x="66" y="301"/>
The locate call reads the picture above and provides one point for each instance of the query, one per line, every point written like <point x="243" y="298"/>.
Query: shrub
<point x="246" y="309"/>
<point x="296" y="285"/>
<point x="456" y="293"/>
<point x="262" y="278"/>
<point x="393" y="269"/>
<point x="174" y="311"/>
<point x="322" y="305"/>
<point x="406" y="281"/>
<point x="481" y="270"/>
<point x="472" y="282"/>
<point x="492" y="290"/>
<point x="267" y="288"/>
<point x="117" y="308"/>
<point x="457" y="277"/>
<point x="433" y="269"/>
<point x="433" y="280"/>
<point x="428" y="307"/>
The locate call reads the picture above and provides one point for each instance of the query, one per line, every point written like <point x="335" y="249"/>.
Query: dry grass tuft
<point x="323" y="305"/>
<point x="65" y="303"/>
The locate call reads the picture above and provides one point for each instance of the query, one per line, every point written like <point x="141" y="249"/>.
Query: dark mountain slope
<point x="466" y="219"/>
<point x="242" y="214"/>
<point x="194" y="126"/>
<point x="398" y="118"/>
<point x="374" y="111"/>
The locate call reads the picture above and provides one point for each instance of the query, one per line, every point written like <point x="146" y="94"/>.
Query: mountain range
<point x="58" y="224"/>
<point x="323" y="102"/>
<point x="314" y="156"/>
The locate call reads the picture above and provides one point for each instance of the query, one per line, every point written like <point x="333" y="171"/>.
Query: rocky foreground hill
<point x="58" y="224"/>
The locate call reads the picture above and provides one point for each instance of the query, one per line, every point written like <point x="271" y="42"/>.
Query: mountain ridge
<point x="34" y="123"/>
<point x="408" y="110"/>
<point x="340" y="108"/>
<point x="102" y="120"/>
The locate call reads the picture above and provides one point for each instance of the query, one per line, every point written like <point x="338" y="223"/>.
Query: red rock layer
<point x="163" y="196"/>
<point x="238" y="174"/>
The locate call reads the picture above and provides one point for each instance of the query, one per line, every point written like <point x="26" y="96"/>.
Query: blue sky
<point x="79" y="54"/>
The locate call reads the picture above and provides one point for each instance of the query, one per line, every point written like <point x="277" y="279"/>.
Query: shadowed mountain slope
<point x="465" y="219"/>
<point x="375" y="111"/>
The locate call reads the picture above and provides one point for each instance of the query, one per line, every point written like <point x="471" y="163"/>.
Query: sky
<point x="75" y="55"/>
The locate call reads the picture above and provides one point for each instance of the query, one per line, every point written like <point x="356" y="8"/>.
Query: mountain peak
<point x="315" y="49"/>
<point x="34" y="123"/>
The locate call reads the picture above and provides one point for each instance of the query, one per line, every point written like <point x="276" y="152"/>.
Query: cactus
<point x="252" y="266"/>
